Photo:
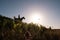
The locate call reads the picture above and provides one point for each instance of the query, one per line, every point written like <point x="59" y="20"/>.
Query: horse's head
<point x="23" y="17"/>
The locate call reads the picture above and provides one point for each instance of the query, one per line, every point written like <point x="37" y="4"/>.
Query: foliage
<point x="9" y="30"/>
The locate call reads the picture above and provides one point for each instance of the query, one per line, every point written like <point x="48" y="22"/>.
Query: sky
<point x="48" y="10"/>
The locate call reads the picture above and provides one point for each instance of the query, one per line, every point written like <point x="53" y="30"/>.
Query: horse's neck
<point x="21" y="18"/>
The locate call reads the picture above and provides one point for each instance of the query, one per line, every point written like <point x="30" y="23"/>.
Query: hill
<point x="11" y="29"/>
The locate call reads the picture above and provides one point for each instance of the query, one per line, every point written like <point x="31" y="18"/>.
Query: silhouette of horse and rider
<point x="18" y="19"/>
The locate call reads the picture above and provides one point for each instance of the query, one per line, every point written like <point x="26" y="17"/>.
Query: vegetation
<point x="11" y="29"/>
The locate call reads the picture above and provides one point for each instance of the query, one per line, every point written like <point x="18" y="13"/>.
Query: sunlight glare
<point x="36" y="17"/>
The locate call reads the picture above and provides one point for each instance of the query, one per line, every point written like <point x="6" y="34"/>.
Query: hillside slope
<point x="10" y="30"/>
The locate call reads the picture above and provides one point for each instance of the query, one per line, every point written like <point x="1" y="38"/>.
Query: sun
<point x="35" y="18"/>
